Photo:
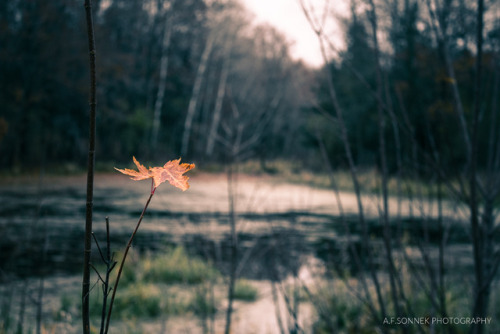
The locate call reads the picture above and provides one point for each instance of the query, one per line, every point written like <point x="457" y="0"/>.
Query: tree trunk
<point x="196" y="93"/>
<point x="162" y="83"/>
<point x="217" y="109"/>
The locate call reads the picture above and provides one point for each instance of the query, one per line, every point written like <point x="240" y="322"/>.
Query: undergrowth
<point x="154" y="285"/>
<point x="169" y="284"/>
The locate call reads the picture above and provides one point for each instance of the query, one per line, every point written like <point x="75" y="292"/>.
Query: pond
<point x="42" y="225"/>
<point x="284" y="230"/>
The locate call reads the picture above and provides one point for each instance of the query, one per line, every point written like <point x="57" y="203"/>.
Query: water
<point x="279" y="225"/>
<point x="284" y="231"/>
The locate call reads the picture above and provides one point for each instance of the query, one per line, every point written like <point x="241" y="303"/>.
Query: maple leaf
<point x="172" y="172"/>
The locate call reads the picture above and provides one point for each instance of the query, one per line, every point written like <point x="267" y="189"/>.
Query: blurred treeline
<point x="414" y="88"/>
<point x="214" y="62"/>
<point x="197" y="78"/>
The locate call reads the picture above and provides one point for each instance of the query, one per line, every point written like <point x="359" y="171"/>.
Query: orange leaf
<point x="172" y="172"/>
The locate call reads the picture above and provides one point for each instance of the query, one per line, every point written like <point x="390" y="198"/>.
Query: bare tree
<point x="195" y="95"/>
<point x="227" y="23"/>
<point x="478" y="197"/>
<point x="317" y="26"/>
<point x="384" y="212"/>
<point x="245" y="111"/>
<point x="221" y="93"/>
<point x="475" y="189"/>
<point x="160" y="95"/>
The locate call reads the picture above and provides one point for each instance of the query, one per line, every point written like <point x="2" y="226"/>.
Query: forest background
<point x="171" y="73"/>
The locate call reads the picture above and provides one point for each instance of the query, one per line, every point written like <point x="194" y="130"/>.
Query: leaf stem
<point x="129" y="244"/>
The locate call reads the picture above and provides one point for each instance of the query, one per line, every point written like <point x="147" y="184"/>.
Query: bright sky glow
<point x="287" y="16"/>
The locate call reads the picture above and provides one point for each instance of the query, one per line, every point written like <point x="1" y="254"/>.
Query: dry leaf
<point x="172" y="172"/>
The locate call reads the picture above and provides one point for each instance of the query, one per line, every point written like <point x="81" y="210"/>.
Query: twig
<point x="110" y="264"/>
<point x="99" y="247"/>
<point x="129" y="244"/>
<point x="97" y="272"/>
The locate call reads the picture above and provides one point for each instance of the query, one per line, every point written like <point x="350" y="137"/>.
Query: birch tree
<point x="221" y="93"/>
<point x="160" y="95"/>
<point x="195" y="95"/>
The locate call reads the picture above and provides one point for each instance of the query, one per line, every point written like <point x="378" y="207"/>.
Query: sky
<point x="287" y="17"/>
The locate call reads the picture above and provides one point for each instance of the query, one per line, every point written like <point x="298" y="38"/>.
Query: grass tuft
<point x="139" y="301"/>
<point x="177" y="267"/>
<point x="245" y="291"/>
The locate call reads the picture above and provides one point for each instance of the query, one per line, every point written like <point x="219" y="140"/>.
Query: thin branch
<point x="90" y="171"/>
<point x="98" y="248"/>
<point x="97" y="272"/>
